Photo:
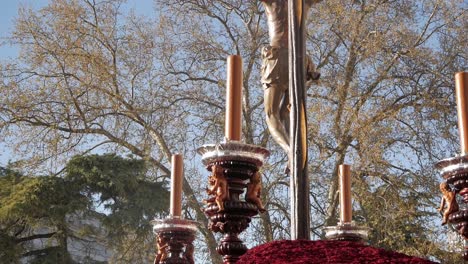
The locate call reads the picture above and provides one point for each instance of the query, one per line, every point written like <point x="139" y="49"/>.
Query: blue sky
<point x="8" y="13"/>
<point x="9" y="10"/>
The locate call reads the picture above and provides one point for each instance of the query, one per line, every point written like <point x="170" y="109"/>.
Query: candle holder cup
<point x="347" y="231"/>
<point x="175" y="238"/>
<point x="234" y="169"/>
<point x="455" y="172"/>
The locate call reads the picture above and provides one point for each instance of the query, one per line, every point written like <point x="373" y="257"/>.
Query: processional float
<point x="234" y="184"/>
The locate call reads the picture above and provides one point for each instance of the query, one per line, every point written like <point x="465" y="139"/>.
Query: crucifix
<point x="285" y="70"/>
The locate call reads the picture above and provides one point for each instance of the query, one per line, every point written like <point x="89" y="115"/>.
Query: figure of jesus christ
<point x="275" y="70"/>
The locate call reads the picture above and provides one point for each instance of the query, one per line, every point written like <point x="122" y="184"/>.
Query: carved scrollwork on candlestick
<point x="162" y="244"/>
<point x="234" y="168"/>
<point x="254" y="189"/>
<point x="449" y="203"/>
<point x="218" y="187"/>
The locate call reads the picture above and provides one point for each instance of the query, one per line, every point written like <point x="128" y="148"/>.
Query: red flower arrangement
<point x="322" y="252"/>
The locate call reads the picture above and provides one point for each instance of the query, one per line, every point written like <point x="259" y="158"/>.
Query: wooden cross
<point x="299" y="182"/>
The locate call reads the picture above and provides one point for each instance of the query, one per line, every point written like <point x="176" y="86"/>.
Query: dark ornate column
<point x="455" y="172"/>
<point x="234" y="170"/>
<point x="174" y="240"/>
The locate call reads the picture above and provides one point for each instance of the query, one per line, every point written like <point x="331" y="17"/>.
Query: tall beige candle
<point x="461" y="88"/>
<point x="233" y="126"/>
<point x="177" y="176"/>
<point x="346" y="213"/>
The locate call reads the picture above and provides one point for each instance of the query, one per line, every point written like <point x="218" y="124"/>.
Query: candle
<point x="177" y="175"/>
<point x="346" y="213"/>
<point x="233" y="125"/>
<point x="461" y="88"/>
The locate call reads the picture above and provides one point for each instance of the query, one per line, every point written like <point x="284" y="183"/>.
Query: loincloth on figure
<point x="275" y="65"/>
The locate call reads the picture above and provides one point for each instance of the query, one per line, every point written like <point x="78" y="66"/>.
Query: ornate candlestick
<point x="174" y="240"/>
<point x="234" y="168"/>
<point x="174" y="236"/>
<point x="455" y="170"/>
<point x="346" y="229"/>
